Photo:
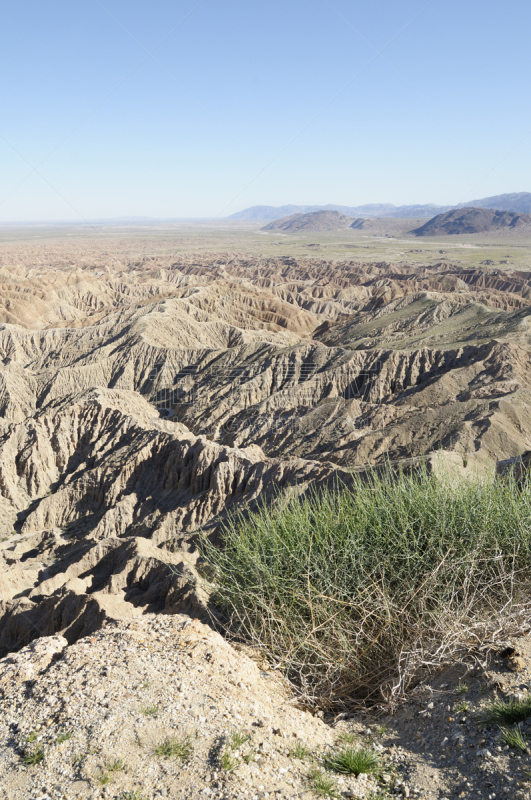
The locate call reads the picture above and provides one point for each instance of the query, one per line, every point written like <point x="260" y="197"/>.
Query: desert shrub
<point x="351" y="590"/>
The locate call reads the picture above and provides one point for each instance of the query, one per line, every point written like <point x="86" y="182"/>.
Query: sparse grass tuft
<point x="514" y="738"/>
<point x="237" y="739"/>
<point x="461" y="688"/>
<point x="461" y="707"/>
<point x="116" y="765"/>
<point x="63" y="737"/>
<point x="136" y="795"/>
<point x="33" y="757"/>
<point x="348" y="738"/>
<point x="175" y="748"/>
<point x="228" y="762"/>
<point x="337" y="584"/>
<point x="350" y="761"/>
<point x="507" y="712"/>
<point x="322" y="785"/>
<point x="32" y="736"/>
<point x="300" y="751"/>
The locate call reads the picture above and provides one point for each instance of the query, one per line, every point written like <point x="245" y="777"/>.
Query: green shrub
<point x="341" y="588"/>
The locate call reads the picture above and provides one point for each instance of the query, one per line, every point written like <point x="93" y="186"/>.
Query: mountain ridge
<point x="367" y="210"/>
<point x="517" y="202"/>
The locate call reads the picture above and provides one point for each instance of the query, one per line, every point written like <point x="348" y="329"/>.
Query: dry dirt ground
<point x="100" y="717"/>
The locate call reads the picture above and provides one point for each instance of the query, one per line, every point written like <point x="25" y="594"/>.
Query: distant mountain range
<point x="517" y="202"/>
<point x="369" y="210"/>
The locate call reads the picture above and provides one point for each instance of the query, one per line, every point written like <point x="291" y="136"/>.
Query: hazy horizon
<point x="144" y="219"/>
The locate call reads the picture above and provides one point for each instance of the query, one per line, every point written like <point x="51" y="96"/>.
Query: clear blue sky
<point x="187" y="108"/>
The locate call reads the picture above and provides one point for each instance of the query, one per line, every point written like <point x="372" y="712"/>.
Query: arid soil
<point x="95" y="717"/>
<point x="143" y="397"/>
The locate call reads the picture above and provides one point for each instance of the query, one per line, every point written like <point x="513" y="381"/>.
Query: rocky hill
<point x="159" y="706"/>
<point x="385" y="226"/>
<point x="313" y="221"/>
<point x="475" y="220"/>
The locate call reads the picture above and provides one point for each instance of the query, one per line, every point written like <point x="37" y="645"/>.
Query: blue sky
<point x="188" y="108"/>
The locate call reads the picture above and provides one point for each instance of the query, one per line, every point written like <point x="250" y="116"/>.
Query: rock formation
<point x="144" y="399"/>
